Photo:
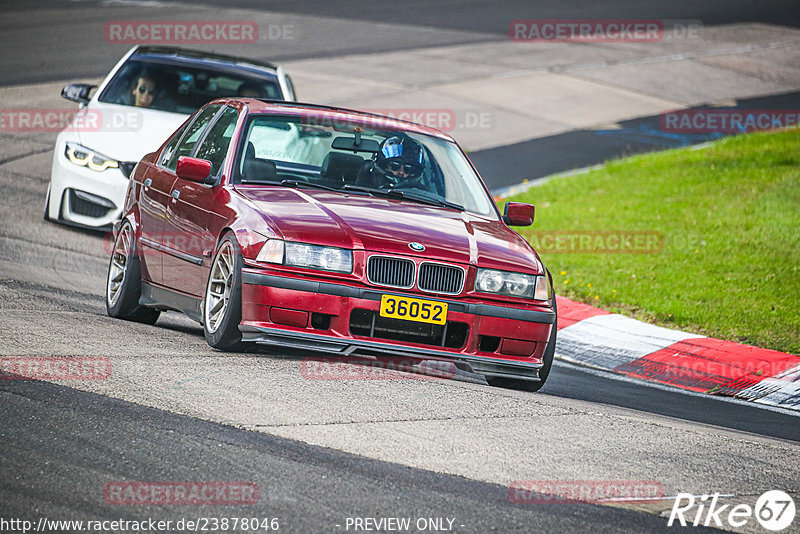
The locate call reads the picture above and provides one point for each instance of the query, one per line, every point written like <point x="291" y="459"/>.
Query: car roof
<point x="184" y="56"/>
<point x="262" y="105"/>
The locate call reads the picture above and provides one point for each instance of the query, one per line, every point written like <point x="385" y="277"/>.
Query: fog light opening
<point x="489" y="343"/>
<point x="320" y="321"/>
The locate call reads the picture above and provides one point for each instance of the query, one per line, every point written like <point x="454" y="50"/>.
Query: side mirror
<point x="518" y="214"/>
<point x="193" y="169"/>
<point x="77" y="92"/>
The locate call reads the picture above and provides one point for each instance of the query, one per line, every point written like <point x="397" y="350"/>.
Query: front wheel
<point x="124" y="281"/>
<point x="47" y="205"/>
<point x="222" y="306"/>
<point x="544" y="372"/>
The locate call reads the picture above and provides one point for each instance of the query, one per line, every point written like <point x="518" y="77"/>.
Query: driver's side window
<point x="169" y="150"/>
<point x="193" y="134"/>
<point x="215" y="144"/>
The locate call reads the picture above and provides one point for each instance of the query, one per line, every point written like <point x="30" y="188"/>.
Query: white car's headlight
<point x="308" y="256"/>
<point x="512" y="284"/>
<point x="84" y="157"/>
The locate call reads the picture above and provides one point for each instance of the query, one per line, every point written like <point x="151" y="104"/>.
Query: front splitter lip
<point x="357" y="347"/>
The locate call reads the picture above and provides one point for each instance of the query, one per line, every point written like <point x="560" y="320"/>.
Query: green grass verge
<point x="728" y="217"/>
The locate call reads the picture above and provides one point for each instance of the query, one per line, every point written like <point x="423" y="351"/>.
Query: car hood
<point x="388" y="225"/>
<point x="124" y="133"/>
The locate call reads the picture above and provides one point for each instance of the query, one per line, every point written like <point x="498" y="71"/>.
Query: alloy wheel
<point x="219" y="289"/>
<point x="119" y="264"/>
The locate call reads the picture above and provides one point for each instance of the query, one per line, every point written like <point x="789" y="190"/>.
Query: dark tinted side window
<point x="215" y="144"/>
<point x="193" y="134"/>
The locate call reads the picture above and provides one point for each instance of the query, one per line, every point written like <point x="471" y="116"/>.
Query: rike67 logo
<point x="774" y="511"/>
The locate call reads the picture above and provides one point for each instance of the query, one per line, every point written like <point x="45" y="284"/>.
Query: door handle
<point x="148" y="182"/>
<point x="175" y="195"/>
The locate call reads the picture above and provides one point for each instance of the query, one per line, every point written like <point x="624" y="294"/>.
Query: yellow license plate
<point x="423" y="311"/>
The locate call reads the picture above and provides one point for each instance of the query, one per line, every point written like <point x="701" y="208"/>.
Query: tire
<point x="47" y="205"/>
<point x="124" y="281"/>
<point x="222" y="305"/>
<point x="544" y="372"/>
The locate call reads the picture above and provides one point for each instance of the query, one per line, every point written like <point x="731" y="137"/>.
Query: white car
<point x="95" y="154"/>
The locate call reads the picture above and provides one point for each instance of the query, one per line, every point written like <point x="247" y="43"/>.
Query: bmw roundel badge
<point x="416" y="247"/>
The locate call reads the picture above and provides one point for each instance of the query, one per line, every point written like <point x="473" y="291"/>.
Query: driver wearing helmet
<point x="400" y="162"/>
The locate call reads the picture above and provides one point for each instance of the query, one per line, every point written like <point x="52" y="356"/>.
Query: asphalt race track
<point x="83" y="52"/>
<point x="322" y="452"/>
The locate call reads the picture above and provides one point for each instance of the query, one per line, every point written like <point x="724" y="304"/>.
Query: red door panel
<point x="157" y="185"/>
<point x="194" y="228"/>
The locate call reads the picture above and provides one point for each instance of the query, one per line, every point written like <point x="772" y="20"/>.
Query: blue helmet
<point x="398" y="154"/>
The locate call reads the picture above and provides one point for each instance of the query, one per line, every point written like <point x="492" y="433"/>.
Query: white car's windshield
<point x="368" y="156"/>
<point x="181" y="88"/>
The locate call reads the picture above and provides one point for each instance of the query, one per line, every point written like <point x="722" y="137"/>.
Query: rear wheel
<point x="222" y="306"/>
<point x="124" y="282"/>
<point x="547" y="360"/>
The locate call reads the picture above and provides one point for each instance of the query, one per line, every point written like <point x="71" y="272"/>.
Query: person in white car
<point x="144" y="90"/>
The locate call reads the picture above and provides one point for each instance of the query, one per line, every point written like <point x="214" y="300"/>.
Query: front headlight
<point x="307" y="256"/>
<point x="512" y="284"/>
<point x="318" y="257"/>
<point x="84" y="157"/>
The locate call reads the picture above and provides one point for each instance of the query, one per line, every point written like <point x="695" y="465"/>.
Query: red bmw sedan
<point x="334" y="231"/>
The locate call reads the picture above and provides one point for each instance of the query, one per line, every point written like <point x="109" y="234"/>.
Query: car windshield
<point x="370" y="157"/>
<point x="181" y="88"/>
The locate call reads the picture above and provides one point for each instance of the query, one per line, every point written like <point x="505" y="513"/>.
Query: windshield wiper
<point x="300" y="183"/>
<point x="289" y="183"/>
<point x="404" y="195"/>
<point x="362" y="189"/>
<point x="422" y="199"/>
<point x="260" y="182"/>
<point x="349" y="188"/>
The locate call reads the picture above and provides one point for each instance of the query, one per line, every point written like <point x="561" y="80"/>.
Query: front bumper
<point x="498" y="341"/>
<point x="83" y="197"/>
